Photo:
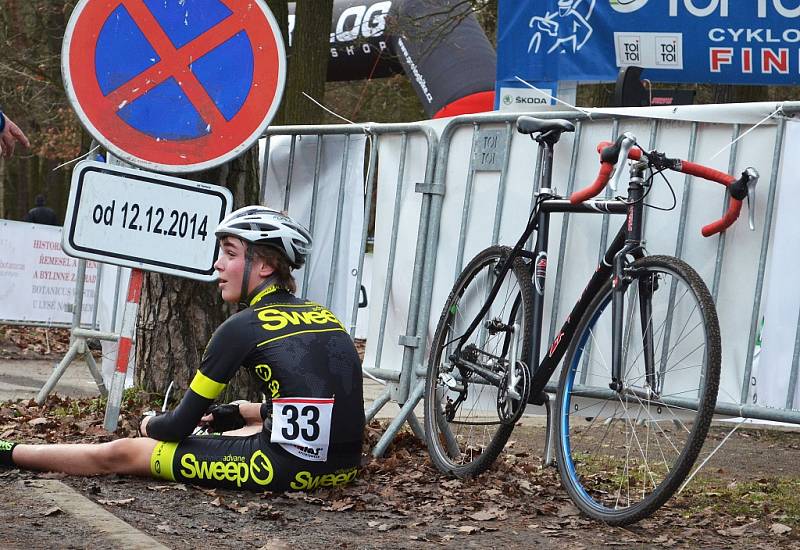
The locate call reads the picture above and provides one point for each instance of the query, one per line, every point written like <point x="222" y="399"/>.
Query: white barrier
<point x="37" y="280"/>
<point x="497" y="202"/>
<point x="321" y="184"/>
<point x="779" y="338"/>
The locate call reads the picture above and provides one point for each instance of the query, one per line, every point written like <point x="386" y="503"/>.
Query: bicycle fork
<point x="620" y="282"/>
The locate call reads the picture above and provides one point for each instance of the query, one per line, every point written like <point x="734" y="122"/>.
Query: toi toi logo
<point x="627" y="6"/>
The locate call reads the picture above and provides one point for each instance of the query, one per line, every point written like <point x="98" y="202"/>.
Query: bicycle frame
<point x="626" y="243"/>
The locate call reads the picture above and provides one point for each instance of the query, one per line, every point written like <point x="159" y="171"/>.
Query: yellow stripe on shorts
<point x="204" y="386"/>
<point x="161" y="460"/>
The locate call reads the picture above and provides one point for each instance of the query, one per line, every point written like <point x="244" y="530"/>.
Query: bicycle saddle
<point x="530" y="125"/>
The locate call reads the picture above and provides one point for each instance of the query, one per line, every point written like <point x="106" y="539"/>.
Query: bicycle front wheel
<point x="625" y="446"/>
<point x="469" y="410"/>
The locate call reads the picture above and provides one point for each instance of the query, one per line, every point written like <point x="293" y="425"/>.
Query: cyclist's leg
<point x="121" y="456"/>
<point x="232" y="462"/>
<point x="247" y="431"/>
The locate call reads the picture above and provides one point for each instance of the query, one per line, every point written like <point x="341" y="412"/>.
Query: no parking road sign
<point x="174" y="85"/>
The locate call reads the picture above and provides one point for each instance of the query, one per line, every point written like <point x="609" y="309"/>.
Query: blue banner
<point x="713" y="41"/>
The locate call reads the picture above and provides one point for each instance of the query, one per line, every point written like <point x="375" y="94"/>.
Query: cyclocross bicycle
<point x="642" y="350"/>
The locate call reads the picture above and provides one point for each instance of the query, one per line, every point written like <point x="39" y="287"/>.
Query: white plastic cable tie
<point x="548" y="96"/>
<point x="753" y="127"/>
<point x="718" y="447"/>
<point x="368" y="375"/>
<point x="86" y="154"/>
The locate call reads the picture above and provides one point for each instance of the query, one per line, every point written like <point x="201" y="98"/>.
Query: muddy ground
<point x="747" y="496"/>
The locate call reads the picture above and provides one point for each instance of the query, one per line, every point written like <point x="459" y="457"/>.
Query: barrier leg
<point x="449" y="439"/>
<point x="378" y="404"/>
<point x="98" y="378"/>
<point x="394" y="426"/>
<point x="415" y="426"/>
<point x="72" y="352"/>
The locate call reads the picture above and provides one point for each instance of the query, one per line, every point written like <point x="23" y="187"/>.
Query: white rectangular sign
<point x="37" y="280"/>
<point x="649" y="50"/>
<point x="144" y="220"/>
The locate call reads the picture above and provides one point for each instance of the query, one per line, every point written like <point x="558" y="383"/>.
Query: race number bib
<point x="302" y="426"/>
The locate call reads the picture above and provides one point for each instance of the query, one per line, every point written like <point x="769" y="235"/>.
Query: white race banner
<point x="37" y="280"/>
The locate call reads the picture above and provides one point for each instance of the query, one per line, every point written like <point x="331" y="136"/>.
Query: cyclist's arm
<point x="224" y="354"/>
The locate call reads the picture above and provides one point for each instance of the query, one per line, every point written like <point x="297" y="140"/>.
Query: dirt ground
<point x="747" y="496"/>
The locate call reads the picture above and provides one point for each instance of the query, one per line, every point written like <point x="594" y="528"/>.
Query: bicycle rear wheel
<point x="469" y="416"/>
<point x="623" y="452"/>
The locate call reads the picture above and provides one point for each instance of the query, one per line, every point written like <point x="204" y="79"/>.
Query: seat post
<point x="543" y="184"/>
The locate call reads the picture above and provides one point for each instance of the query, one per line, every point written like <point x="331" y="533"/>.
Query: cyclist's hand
<point x="223" y="418"/>
<point x="144" y="421"/>
<point x="9" y="136"/>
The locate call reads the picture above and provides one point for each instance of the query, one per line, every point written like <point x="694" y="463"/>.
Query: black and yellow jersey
<point x="296" y="349"/>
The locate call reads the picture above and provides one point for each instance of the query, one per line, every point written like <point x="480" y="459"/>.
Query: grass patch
<point x="776" y="497"/>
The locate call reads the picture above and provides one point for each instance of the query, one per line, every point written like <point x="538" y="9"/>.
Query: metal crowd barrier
<point x="398" y="379"/>
<point x="405" y="378"/>
<point x="92" y="324"/>
<point x="80" y="330"/>
<point x="406" y="387"/>
<point x="726" y="407"/>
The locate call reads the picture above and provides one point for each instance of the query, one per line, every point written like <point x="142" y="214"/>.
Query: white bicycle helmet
<point x="265" y="226"/>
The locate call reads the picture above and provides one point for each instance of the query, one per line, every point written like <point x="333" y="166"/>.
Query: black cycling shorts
<point x="230" y="462"/>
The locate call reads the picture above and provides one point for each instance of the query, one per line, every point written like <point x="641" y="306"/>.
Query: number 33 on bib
<point x="302" y="426"/>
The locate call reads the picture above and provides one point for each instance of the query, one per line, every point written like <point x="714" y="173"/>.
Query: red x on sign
<point x="174" y="85"/>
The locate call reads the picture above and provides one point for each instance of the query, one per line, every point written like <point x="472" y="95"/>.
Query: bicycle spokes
<point x="623" y="452"/>
<point x="477" y="384"/>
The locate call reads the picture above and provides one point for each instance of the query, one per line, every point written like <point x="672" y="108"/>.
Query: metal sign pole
<point x="126" y="340"/>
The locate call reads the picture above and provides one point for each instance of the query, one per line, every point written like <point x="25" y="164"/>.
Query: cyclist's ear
<point x="263" y="269"/>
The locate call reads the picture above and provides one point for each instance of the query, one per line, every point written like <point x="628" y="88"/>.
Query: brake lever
<point x="628" y="142"/>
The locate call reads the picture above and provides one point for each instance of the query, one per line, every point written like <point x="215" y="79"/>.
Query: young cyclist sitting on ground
<point x="310" y="429"/>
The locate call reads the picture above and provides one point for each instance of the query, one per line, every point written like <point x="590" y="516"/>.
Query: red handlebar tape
<point x="690" y="168"/>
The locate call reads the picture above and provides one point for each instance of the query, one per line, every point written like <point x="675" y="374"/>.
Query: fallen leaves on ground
<point x="23" y="342"/>
<point x="403" y="495"/>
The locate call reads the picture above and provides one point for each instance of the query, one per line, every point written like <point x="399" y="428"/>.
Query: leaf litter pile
<point x="18" y="342"/>
<point x="401" y="499"/>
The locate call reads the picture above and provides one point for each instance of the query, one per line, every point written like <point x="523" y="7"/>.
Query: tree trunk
<point x="280" y="9"/>
<point x="308" y="62"/>
<point x="177" y="316"/>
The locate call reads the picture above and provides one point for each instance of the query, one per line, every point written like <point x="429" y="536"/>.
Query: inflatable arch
<point x="448" y="59"/>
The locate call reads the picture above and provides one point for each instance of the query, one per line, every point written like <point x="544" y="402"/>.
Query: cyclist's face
<point x="230" y="267"/>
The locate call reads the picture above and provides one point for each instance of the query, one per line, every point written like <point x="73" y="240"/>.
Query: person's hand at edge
<point x="9" y="136"/>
